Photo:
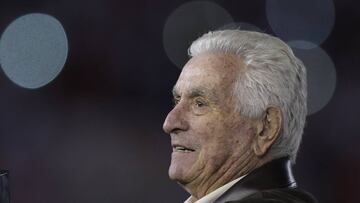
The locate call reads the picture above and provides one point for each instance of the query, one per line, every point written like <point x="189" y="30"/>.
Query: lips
<point x="181" y="148"/>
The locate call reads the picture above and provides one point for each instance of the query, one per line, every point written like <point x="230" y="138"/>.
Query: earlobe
<point x="267" y="130"/>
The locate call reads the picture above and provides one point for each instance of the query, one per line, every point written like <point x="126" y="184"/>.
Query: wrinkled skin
<point x="204" y="121"/>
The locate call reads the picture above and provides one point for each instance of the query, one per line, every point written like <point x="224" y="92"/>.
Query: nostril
<point x="176" y="120"/>
<point x="176" y="131"/>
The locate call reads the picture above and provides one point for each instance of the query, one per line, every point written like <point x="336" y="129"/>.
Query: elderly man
<point x="238" y="117"/>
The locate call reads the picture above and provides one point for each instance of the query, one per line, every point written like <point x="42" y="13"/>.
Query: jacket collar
<point x="274" y="174"/>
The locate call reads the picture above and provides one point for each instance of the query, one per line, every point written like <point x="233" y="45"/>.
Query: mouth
<point x="182" y="149"/>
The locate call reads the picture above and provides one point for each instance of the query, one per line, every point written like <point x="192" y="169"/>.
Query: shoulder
<point x="284" y="195"/>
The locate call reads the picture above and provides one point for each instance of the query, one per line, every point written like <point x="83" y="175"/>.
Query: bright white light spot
<point x="321" y="74"/>
<point x="306" y="20"/>
<point x="33" y="50"/>
<point x="188" y="22"/>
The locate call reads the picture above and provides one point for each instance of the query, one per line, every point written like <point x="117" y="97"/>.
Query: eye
<point x="199" y="103"/>
<point x="200" y="106"/>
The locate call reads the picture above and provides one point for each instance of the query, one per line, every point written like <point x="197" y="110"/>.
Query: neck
<point x="230" y="170"/>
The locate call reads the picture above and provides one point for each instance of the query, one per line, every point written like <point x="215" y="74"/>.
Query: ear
<point x="267" y="130"/>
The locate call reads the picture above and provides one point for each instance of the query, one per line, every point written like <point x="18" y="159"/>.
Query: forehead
<point x="211" y="71"/>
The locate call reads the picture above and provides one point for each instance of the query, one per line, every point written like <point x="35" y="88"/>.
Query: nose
<point x="176" y="120"/>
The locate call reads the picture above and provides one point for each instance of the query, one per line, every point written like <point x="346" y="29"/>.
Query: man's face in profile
<point x="207" y="135"/>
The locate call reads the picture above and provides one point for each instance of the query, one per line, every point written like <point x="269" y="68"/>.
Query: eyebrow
<point x="197" y="92"/>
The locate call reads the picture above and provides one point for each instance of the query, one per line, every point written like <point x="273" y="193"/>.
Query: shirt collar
<point x="211" y="197"/>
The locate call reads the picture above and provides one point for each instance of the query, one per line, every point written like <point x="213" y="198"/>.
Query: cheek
<point x="220" y="134"/>
<point x="215" y="152"/>
<point x="202" y="128"/>
<point x="229" y="138"/>
<point x="215" y="140"/>
<point x="209" y="134"/>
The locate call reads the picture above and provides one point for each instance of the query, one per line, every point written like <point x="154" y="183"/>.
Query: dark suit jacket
<point x="271" y="183"/>
<point x="4" y="187"/>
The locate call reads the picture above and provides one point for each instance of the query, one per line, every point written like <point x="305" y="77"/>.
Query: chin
<point x="175" y="173"/>
<point x="182" y="167"/>
<point x="179" y="173"/>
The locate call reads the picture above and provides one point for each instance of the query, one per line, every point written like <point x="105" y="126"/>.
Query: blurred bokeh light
<point x="188" y="22"/>
<point x="94" y="134"/>
<point x="321" y="74"/>
<point x="240" y="26"/>
<point x="33" y="50"/>
<point x="306" y="20"/>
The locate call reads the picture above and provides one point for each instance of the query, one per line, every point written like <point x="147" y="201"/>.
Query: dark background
<point x="95" y="133"/>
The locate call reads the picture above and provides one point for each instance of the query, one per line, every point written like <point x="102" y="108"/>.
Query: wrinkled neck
<point x="231" y="169"/>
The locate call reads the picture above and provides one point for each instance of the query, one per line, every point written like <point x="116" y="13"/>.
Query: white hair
<point x="273" y="76"/>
